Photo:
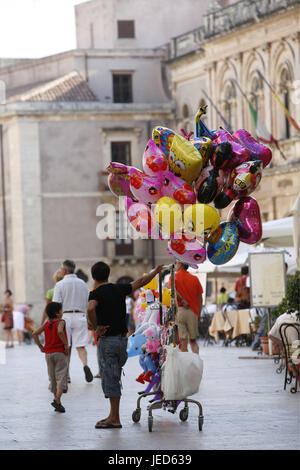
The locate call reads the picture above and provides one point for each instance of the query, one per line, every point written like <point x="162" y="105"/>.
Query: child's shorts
<point x="58" y="371"/>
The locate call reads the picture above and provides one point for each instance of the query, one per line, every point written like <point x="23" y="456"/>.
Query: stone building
<point x="236" y="45"/>
<point x="65" y="118"/>
<point x="137" y="64"/>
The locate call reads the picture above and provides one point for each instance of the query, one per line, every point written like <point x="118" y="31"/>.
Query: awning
<point x="278" y="233"/>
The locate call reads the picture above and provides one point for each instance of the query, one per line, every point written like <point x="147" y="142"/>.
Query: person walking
<point x="19" y="314"/>
<point x="189" y="299"/>
<point x="242" y="289"/>
<point x="107" y="314"/>
<point x="56" y="349"/>
<point x="7" y="319"/>
<point x="73" y="294"/>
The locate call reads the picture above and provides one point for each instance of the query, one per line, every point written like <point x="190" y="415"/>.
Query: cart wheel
<point x="183" y="415"/>
<point x="136" y="415"/>
<point x="200" y="422"/>
<point x="279" y="370"/>
<point x="293" y="390"/>
<point x="150" y="423"/>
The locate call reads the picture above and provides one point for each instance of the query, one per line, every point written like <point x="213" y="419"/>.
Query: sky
<point x="36" y="28"/>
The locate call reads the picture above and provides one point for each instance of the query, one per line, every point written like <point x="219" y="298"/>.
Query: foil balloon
<point x="187" y="250"/>
<point x="145" y="188"/>
<point x="242" y="181"/>
<point x="200" y="220"/>
<point x="209" y="184"/>
<point x="168" y="215"/>
<point x="223" y="243"/>
<point x="184" y="159"/>
<point x="154" y="160"/>
<point x="162" y="136"/>
<point x="119" y="185"/>
<point x="135" y="343"/>
<point x="239" y="153"/>
<point x="177" y="188"/>
<point x="245" y="214"/>
<point x="258" y="151"/>
<point x="119" y="179"/>
<point x="204" y="146"/>
<point x="140" y="217"/>
<point x="245" y="178"/>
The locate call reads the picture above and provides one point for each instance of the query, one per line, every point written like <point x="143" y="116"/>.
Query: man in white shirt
<point x="73" y="293"/>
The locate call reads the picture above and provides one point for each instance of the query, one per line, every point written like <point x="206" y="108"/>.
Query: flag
<point x="288" y="116"/>
<point x="262" y="133"/>
<point x="226" y="123"/>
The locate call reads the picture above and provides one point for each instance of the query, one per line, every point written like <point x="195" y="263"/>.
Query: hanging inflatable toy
<point x="200" y="220"/>
<point x="168" y="216"/>
<point x="187" y="251"/>
<point x="223" y="243"/>
<point x="246" y="215"/>
<point x="258" y="151"/>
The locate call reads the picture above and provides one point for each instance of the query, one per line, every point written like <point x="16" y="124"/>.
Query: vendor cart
<point x="169" y="335"/>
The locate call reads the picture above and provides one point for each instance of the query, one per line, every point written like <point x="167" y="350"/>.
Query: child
<point x="57" y="350"/>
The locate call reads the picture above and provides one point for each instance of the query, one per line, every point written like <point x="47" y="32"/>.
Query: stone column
<point x="26" y="214"/>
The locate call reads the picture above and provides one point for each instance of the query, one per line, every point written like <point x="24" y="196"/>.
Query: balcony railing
<point x="219" y="20"/>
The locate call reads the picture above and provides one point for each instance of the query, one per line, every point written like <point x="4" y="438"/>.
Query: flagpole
<point x="250" y="105"/>
<point x="227" y="125"/>
<point x="287" y="113"/>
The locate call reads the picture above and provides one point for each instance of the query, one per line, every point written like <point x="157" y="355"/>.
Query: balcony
<point x="219" y="20"/>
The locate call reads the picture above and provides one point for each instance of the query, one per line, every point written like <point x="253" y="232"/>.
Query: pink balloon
<point x="119" y="179"/>
<point x="240" y="153"/>
<point x="246" y="215"/>
<point x="177" y="188"/>
<point x="140" y="217"/>
<point x="145" y="188"/>
<point x="154" y="160"/>
<point x="187" y="250"/>
<point x="258" y="150"/>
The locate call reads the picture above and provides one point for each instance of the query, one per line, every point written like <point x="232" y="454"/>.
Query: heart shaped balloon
<point x="223" y="243"/>
<point x="246" y="215"/>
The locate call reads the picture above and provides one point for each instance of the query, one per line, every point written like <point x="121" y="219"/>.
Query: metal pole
<point x="4" y="208"/>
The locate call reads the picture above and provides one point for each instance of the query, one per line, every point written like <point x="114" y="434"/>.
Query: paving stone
<point x="244" y="407"/>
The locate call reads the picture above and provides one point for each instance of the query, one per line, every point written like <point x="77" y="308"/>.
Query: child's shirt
<point x="53" y="343"/>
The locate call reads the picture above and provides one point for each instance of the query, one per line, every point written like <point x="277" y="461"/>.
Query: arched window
<point x="285" y="80"/>
<point x="229" y="106"/>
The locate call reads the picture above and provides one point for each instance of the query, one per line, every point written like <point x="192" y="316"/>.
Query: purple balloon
<point x="246" y="215"/>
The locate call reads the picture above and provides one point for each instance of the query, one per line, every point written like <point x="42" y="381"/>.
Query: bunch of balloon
<point x="182" y="176"/>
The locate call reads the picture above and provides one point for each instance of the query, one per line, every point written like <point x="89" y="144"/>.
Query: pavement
<point x="244" y="407"/>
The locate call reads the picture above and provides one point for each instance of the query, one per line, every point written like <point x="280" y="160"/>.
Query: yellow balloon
<point x="144" y="305"/>
<point x="184" y="159"/>
<point x="166" y="297"/>
<point x="168" y="215"/>
<point x="200" y="219"/>
<point x="152" y="285"/>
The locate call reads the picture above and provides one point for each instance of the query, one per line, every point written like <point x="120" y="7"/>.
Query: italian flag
<point x="262" y="132"/>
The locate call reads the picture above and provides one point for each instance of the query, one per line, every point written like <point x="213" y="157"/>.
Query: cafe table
<point x="233" y="323"/>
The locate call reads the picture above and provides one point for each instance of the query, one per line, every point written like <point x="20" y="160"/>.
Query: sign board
<point x="267" y="279"/>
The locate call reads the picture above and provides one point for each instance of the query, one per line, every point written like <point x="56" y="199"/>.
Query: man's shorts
<point x="77" y="329"/>
<point x="187" y="322"/>
<point x="58" y="371"/>
<point x="112" y="357"/>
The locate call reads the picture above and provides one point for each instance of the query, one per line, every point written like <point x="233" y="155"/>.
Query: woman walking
<point x="7" y="319"/>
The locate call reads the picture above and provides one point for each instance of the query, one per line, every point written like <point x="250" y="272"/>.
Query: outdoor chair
<point x="291" y="353"/>
<point x="204" y="324"/>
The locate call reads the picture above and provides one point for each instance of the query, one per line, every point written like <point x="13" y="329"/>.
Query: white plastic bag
<point x="181" y="374"/>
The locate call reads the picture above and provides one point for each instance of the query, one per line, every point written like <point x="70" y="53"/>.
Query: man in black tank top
<point x="107" y="315"/>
